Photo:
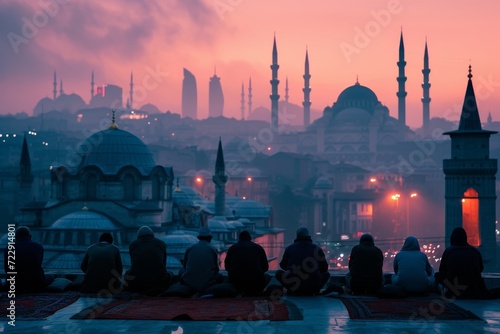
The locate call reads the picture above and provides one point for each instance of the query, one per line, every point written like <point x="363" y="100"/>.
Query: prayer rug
<point x="412" y="309"/>
<point x="176" y="308"/>
<point x="36" y="305"/>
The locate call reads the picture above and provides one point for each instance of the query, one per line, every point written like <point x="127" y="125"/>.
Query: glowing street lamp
<point x="412" y="195"/>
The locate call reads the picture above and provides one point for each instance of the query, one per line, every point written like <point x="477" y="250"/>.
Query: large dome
<point x="357" y="96"/>
<point x="83" y="220"/>
<point x="112" y="149"/>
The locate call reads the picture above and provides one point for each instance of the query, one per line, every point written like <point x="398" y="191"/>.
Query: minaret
<point x="489" y="119"/>
<point x="242" y="101"/>
<point x="55" y="86"/>
<point x="307" y="90"/>
<point x="249" y="97"/>
<point x="220" y="179"/>
<point x="92" y="86"/>
<point x="25" y="176"/>
<point x="286" y="90"/>
<point x="426" y="93"/>
<point x="131" y="98"/>
<point x="61" y="91"/>
<point x="401" y="94"/>
<point x="274" y="89"/>
<point x="470" y="196"/>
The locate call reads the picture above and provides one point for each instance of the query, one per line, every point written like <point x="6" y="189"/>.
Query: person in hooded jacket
<point x="460" y="269"/>
<point x="246" y="265"/>
<point x="305" y="269"/>
<point x="365" y="267"/>
<point x="412" y="270"/>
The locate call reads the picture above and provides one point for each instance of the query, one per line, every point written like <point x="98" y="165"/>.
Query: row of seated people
<point x="304" y="269"/>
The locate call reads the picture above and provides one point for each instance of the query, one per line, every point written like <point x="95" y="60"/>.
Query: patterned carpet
<point x="37" y="305"/>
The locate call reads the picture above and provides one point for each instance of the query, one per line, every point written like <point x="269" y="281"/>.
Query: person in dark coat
<point x="246" y="265"/>
<point x="102" y="266"/>
<point x="201" y="264"/>
<point x="365" y="267"/>
<point x="460" y="269"/>
<point x="305" y="269"/>
<point x="27" y="264"/>
<point x="148" y="257"/>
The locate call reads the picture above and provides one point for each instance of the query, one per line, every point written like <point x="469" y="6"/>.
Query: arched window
<point x="128" y="187"/>
<point x="91" y="186"/>
<point x="470" y="217"/>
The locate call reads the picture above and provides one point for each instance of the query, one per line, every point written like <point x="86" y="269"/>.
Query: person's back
<point x="412" y="270"/>
<point x="27" y="264"/>
<point x="462" y="265"/>
<point x="102" y="266"/>
<point x="365" y="266"/>
<point x="246" y="264"/>
<point x="148" y="257"/>
<point x="306" y="269"/>
<point x="201" y="266"/>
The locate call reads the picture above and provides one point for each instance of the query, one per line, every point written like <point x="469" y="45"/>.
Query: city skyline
<point x="344" y="42"/>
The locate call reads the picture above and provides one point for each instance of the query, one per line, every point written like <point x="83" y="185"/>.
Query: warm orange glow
<point x="395" y="196"/>
<point x="373" y="180"/>
<point x="470" y="217"/>
<point x="199" y="179"/>
<point x="269" y="148"/>
<point x="249" y="179"/>
<point x="412" y="195"/>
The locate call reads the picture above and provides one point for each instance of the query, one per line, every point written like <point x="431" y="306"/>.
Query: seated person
<point x="305" y="269"/>
<point x="246" y="265"/>
<point x="27" y="264"/>
<point x="365" y="267"/>
<point x="102" y="266"/>
<point x="201" y="264"/>
<point x="412" y="270"/>
<point x="460" y="269"/>
<point x="148" y="257"/>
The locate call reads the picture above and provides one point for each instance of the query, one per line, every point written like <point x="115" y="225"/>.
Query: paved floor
<point x="321" y="315"/>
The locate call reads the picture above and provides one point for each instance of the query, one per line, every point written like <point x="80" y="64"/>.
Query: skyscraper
<point x="215" y="97"/>
<point x="189" y="96"/>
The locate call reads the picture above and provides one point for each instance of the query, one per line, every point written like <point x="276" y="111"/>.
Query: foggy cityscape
<point x="192" y="114"/>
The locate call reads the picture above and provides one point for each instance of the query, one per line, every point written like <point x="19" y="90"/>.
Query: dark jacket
<point x="28" y="266"/>
<point x="201" y="266"/>
<point x="462" y="264"/>
<point x="102" y="266"/>
<point x="246" y="264"/>
<point x="148" y="257"/>
<point x="306" y="263"/>
<point x="365" y="265"/>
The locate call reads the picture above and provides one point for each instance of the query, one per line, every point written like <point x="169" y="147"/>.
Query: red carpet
<point x="174" y="308"/>
<point x="37" y="305"/>
<point x="413" y="309"/>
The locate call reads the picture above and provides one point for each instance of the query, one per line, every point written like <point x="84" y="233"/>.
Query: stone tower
<point x="470" y="181"/>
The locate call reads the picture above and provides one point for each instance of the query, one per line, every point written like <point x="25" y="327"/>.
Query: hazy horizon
<point x="156" y="40"/>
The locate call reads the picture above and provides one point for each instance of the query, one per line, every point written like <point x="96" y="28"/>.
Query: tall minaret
<point x="131" y="98"/>
<point x="470" y="196"/>
<point x="220" y="179"/>
<point x="242" y="101"/>
<point x="24" y="178"/>
<point x="307" y="90"/>
<point x="286" y="90"/>
<point x="274" y="89"/>
<point x="249" y="97"/>
<point x="401" y="94"/>
<point x="426" y="96"/>
<point x="61" y="91"/>
<point x="55" y="86"/>
<point x="92" y="86"/>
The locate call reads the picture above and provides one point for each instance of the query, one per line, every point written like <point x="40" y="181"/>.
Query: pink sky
<point x="116" y="37"/>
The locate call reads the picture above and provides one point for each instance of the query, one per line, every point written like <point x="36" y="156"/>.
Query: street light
<point x="412" y="195"/>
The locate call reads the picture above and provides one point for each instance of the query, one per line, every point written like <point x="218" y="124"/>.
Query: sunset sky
<point x="345" y="39"/>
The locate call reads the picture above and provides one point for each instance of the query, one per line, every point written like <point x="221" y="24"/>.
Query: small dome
<point x="181" y="198"/>
<point x="246" y="221"/>
<point x="83" y="220"/>
<point x="44" y="105"/>
<point x="251" y="208"/>
<point x="64" y="261"/>
<point x="217" y="226"/>
<point x="235" y="224"/>
<point x="71" y="102"/>
<point x="323" y="183"/>
<point x="150" y="109"/>
<point x="112" y="149"/>
<point x="178" y="241"/>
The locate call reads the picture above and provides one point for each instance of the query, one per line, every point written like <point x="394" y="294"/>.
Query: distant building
<point x="108" y="96"/>
<point x="189" y="96"/>
<point x="215" y="97"/>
